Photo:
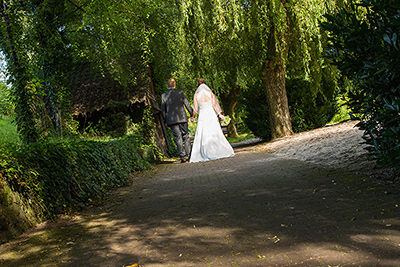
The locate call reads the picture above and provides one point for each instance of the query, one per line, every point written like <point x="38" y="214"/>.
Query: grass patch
<point x="8" y="131"/>
<point x="241" y="137"/>
<point x="342" y="114"/>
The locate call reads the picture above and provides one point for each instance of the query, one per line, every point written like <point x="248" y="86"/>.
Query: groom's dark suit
<point x="173" y="103"/>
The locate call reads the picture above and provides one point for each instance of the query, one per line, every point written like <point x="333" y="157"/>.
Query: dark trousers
<point x="182" y="139"/>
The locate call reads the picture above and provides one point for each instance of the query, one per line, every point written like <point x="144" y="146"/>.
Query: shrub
<point x="309" y="107"/>
<point x="255" y="111"/>
<point x="66" y="175"/>
<point x="365" y="45"/>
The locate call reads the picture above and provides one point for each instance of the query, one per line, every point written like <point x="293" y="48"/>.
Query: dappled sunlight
<point x="386" y="236"/>
<point x="336" y="254"/>
<point x="189" y="241"/>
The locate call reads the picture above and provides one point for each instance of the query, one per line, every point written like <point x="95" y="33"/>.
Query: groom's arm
<point x="163" y="109"/>
<point x="187" y="105"/>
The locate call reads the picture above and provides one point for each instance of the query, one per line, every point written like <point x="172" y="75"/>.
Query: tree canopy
<point x="235" y="43"/>
<point x="243" y="48"/>
<point x="230" y="43"/>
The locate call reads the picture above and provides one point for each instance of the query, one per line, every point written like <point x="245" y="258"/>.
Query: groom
<point x="172" y="106"/>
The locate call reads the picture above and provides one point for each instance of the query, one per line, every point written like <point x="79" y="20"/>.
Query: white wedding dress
<point x="209" y="141"/>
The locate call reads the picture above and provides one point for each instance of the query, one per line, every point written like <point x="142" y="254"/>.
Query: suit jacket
<point x="173" y="103"/>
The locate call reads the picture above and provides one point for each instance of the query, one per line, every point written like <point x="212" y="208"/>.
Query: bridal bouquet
<point x="226" y="121"/>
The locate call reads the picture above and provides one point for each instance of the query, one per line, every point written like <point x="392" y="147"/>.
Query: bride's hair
<point x="201" y="81"/>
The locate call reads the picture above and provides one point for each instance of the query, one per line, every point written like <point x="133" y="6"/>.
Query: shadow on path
<point x="249" y="210"/>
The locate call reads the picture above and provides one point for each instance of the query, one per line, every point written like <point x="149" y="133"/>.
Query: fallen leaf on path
<point x="275" y="239"/>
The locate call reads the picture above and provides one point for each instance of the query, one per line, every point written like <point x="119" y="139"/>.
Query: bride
<point x="209" y="141"/>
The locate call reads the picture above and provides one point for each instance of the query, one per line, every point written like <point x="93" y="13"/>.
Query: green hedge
<point x="66" y="175"/>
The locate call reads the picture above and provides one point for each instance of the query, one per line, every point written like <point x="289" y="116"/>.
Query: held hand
<point x="192" y="119"/>
<point x="222" y="117"/>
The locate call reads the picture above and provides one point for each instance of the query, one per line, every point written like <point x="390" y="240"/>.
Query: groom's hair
<point x="201" y="81"/>
<point x="171" y="83"/>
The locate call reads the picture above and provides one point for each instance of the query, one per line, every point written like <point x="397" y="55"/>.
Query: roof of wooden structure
<point x="92" y="90"/>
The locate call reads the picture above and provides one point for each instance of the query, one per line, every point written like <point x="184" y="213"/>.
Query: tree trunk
<point x="24" y="116"/>
<point x="273" y="78"/>
<point x="52" y="53"/>
<point x="229" y="101"/>
<point x="229" y="111"/>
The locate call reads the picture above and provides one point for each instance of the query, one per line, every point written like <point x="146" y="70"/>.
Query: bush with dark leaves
<point x="365" y="46"/>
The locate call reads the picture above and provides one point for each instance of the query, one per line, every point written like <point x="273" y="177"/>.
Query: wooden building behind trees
<point x="100" y="101"/>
